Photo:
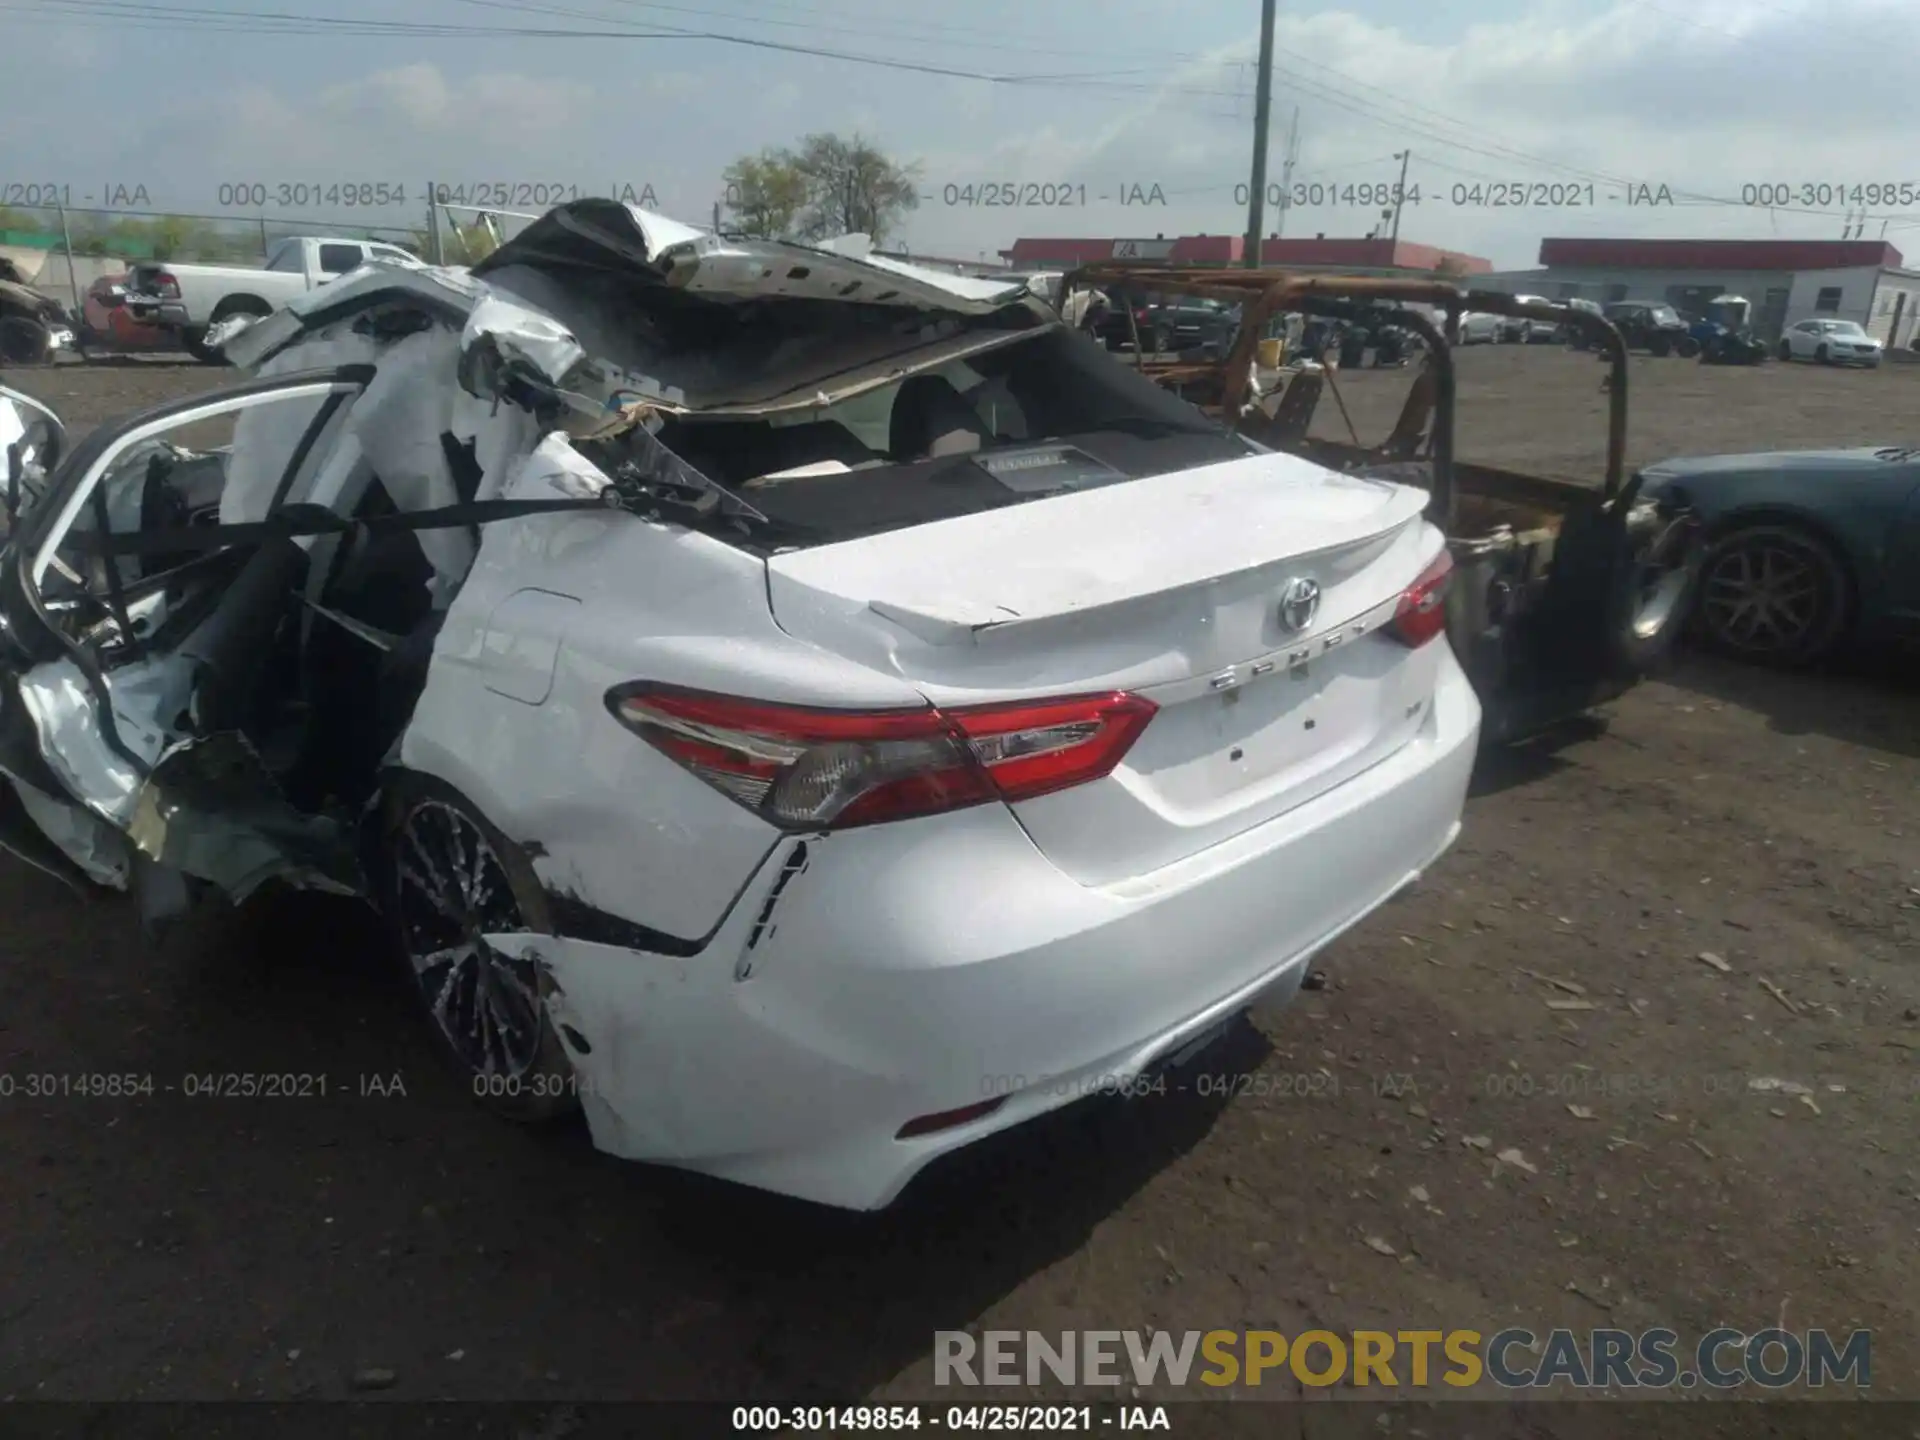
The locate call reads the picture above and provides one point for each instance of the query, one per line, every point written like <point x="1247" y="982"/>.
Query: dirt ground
<point x="202" y="1248"/>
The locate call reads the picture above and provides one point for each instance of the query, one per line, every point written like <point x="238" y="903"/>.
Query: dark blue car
<point x="1808" y="550"/>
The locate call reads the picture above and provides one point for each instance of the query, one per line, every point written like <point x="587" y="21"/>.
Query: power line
<point x="932" y="33"/>
<point x="143" y="14"/>
<point x="285" y="22"/>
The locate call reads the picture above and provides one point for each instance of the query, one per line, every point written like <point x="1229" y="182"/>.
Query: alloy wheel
<point x="1767" y="596"/>
<point x="452" y="892"/>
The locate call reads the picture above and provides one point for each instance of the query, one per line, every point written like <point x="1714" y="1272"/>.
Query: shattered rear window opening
<point x="1044" y="415"/>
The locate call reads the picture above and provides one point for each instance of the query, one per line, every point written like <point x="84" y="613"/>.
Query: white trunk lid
<point x="1169" y="587"/>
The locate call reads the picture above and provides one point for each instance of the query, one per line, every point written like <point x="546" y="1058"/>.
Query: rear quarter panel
<point x="607" y="819"/>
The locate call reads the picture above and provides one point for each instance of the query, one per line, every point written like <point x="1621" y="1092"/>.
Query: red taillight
<point x="808" y="769"/>
<point x="1422" y="612"/>
<point x="947" y="1119"/>
<point x="166" y="285"/>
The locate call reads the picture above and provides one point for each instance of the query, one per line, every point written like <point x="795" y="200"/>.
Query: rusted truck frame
<point x="1564" y="594"/>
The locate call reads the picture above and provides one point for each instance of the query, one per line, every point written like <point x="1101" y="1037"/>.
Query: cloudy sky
<point x="1087" y="104"/>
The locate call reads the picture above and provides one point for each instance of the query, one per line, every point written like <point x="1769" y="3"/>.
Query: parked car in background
<point x="1194" y="324"/>
<point x="1571" y="334"/>
<point x="34" y="327"/>
<point x="187" y="300"/>
<point x="1807" y="549"/>
<point x="108" y="323"/>
<point x="684" y="664"/>
<point x="1653" y="326"/>
<point x="1480" y="329"/>
<point x="1131" y="313"/>
<point x="1516" y="330"/>
<point x="1725" y="333"/>
<point x="1830" y="342"/>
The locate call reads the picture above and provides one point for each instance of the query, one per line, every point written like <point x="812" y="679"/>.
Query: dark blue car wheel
<point x="1773" y="593"/>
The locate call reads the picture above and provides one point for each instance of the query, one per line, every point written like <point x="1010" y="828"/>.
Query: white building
<point x="1787" y="280"/>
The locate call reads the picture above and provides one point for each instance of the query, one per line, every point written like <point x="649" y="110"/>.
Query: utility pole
<point x="1400" y="195"/>
<point x="1262" y="111"/>
<point x="73" y="269"/>
<point x="1286" y="173"/>
<point x="434" y="243"/>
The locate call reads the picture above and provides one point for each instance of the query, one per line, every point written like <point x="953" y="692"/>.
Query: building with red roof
<point x="1355" y="254"/>
<point x="1787" y="281"/>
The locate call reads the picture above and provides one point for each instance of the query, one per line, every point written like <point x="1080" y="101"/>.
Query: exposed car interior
<point x="222" y="632"/>
<point x="921" y="449"/>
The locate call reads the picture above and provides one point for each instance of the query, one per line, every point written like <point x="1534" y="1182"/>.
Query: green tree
<point x="765" y="194"/>
<point x="852" y="187"/>
<point x="171" y="237"/>
<point x="830" y="186"/>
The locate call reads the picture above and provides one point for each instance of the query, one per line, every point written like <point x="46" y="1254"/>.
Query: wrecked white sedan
<point x="805" y="711"/>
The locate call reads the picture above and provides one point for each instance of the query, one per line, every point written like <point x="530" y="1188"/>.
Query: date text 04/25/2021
<point x="1033" y="1419"/>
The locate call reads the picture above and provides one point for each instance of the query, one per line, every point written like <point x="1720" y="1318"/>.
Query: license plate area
<point x="1172" y="1061"/>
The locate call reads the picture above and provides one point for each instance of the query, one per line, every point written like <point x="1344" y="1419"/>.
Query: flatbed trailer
<point x="1564" y="594"/>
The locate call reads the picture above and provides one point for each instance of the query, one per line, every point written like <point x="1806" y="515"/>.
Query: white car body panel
<point x="787" y="1054"/>
<point x="1479" y="326"/>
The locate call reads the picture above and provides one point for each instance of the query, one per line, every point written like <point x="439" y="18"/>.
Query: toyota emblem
<point x="1299" y="603"/>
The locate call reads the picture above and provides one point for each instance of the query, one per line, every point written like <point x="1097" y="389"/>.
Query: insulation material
<point x="266" y="436"/>
<point x="393" y="429"/>
<point x="211" y="809"/>
<point x="398" y="422"/>
<point x="64" y="713"/>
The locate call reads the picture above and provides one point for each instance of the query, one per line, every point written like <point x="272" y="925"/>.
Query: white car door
<point x="1804" y="338"/>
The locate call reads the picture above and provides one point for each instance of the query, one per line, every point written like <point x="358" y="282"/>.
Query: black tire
<point x="24" y="341"/>
<point x="1775" y="594"/>
<point x="1660" y="346"/>
<point x="1785" y="351"/>
<point x="1687" y="346"/>
<point x="193" y="340"/>
<point x="1821" y="356"/>
<point x="430" y="915"/>
<point x="1162" y="342"/>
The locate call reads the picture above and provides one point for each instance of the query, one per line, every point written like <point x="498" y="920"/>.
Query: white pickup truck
<point x="187" y="299"/>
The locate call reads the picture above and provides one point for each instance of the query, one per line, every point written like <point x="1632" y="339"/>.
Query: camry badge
<point x="1299" y="603"/>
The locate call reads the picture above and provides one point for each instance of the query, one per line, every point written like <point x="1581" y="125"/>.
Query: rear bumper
<point x="171" y="314"/>
<point x="872" y="977"/>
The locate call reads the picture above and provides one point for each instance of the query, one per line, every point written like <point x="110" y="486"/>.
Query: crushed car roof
<point x="606" y="235"/>
<point x="577" y="298"/>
